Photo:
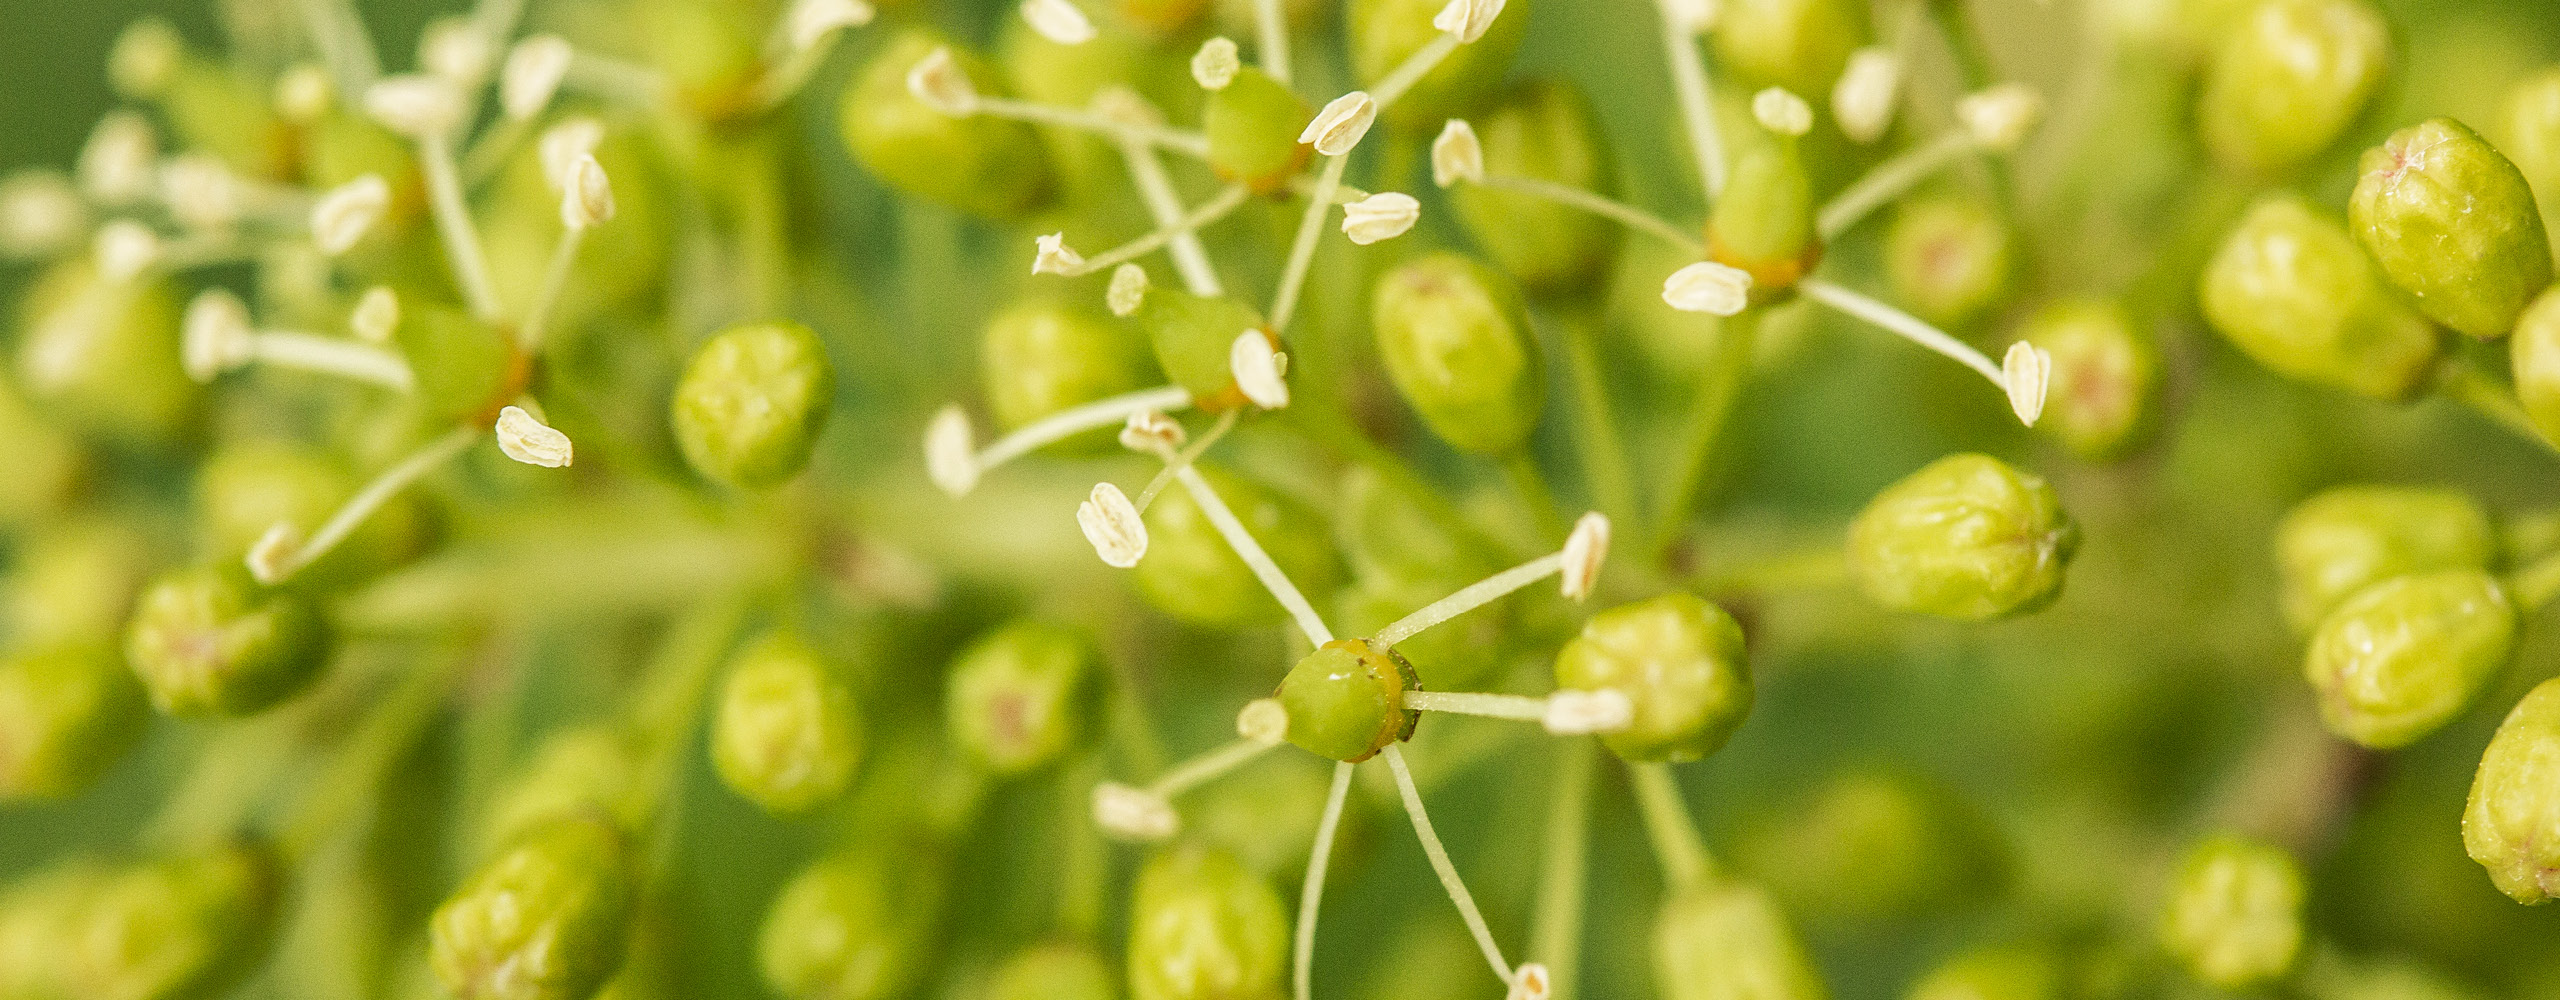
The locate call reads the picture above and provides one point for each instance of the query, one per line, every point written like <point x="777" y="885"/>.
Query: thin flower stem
<point x="1302" y="250"/>
<point x="1517" y="708"/>
<point x="1411" y="71"/>
<point x="1180" y="460"/>
<point x="1195" y="144"/>
<point x="1904" y="324"/>
<point x="344" y="45"/>
<point x="332" y="356"/>
<point x="1439" y="855"/>
<point x="1697" y="100"/>
<point x="453" y="223"/>
<point x="376" y="493"/>
<point x="1603" y="450"/>
<point x="1469" y="598"/>
<point x="779" y="83"/>
<point x="1271" y="28"/>
<point x="1530" y="482"/>
<point x="1685" y="862"/>
<point x="391" y="726"/>
<point x="1177" y="229"/>
<point x="2492" y="399"/>
<point x="1302" y="957"/>
<point x="1191" y="773"/>
<point x="1718" y="389"/>
<point x="1304" y="186"/>
<point x="555" y="283"/>
<point x="1627" y="215"/>
<point x="1273" y="580"/>
<point x="1890" y="180"/>
<point x="1068" y="423"/>
<point x="1209" y="211"/>
<point x="489" y="153"/>
<point x="1555" y="929"/>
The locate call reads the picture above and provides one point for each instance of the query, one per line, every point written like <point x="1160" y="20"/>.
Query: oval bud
<point x="105" y="354"/>
<point x="67" y="714"/>
<point x="1679" y="660"/>
<point x="1191" y="574"/>
<point x="2512" y="825"/>
<point x="2234" y="916"/>
<point x="1918" y="848"/>
<point x="462" y="365"/>
<point x="2105" y="376"/>
<point x="1195" y="339"/>
<point x="1455" y="339"/>
<point x="752" y="402"/>
<point x="1384" y="33"/>
<point x="74" y="583"/>
<point x="1204" y="928"/>
<point x="786" y="735"/>
<point x="1053" y="972"/>
<point x="184" y="926"/>
<point x="2399" y="659"/>
<point x="1544" y="129"/>
<point x="856" y="925"/>
<point x="206" y="643"/>
<point x="1253" y="124"/>
<point x="1966" y="537"/>
<point x="1763" y="225"/>
<point x="2288" y="80"/>
<point x="2453" y="226"/>
<point x="1346" y="700"/>
<point x="2012" y="973"/>
<point x="979" y="164"/>
<point x="1802" y="45"/>
<point x="1022" y="695"/>
<point x="2352" y="537"/>
<point x="2291" y="289"/>
<point x="2535" y="359"/>
<point x="1039" y="357"/>
<point x="547" y="918"/>
<point x="1948" y="258"/>
<point x="247" y="488"/>
<point x="1729" y="942"/>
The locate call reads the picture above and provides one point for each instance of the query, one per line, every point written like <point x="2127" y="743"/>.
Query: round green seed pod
<point x="464" y="367"/>
<point x="2234" y="917"/>
<point x="2399" y="659"/>
<point x="1022" y="696"/>
<point x="1204" y="928"/>
<point x="1039" y="357"/>
<point x="1384" y="33"/>
<point x="1919" y="850"/>
<point x="2291" y="289"/>
<point x="247" y="488"/>
<point x="2512" y="824"/>
<point x="1729" y="942"/>
<point x="1801" y="45"/>
<point x="67" y="714"/>
<point x="786" y="735"/>
<point x="1764" y="223"/>
<point x="2352" y="537"/>
<point x="982" y="165"/>
<point x="547" y="918"/>
<point x="2288" y="80"/>
<point x="1452" y="656"/>
<point x="2105" y="382"/>
<point x="207" y="643"/>
<point x="856" y="925"/>
<point x="178" y="927"/>
<point x="1253" y="125"/>
<point x="1053" y="972"/>
<point x="75" y="582"/>
<point x="1542" y="129"/>
<point x="1679" y="660"/>
<point x="1346" y="700"/>
<point x="2013" y="973"/>
<point x="2535" y="358"/>
<point x="752" y="402"/>
<point x="1967" y="537"/>
<point x="1194" y="338"/>
<point x="2453" y="226"/>
<point x="1455" y="339"/>
<point x="103" y="355"/>
<point x="1191" y="574"/>
<point x="1948" y="258"/>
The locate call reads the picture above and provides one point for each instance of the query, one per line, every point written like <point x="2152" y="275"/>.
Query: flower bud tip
<point x="1059" y="21"/>
<point x="1056" y="257"/>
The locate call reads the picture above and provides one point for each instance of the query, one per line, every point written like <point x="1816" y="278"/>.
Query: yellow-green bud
<point x="75" y="583"/>
<point x="1729" y="942"/>
<point x="1267" y="814"/>
<point x="1253" y="124"/>
<point x="1455" y="339"/>
<point x="1191" y="573"/>
<point x="2291" y="288"/>
<point x="1917" y="847"/>
<point x="1966" y="537"/>
<point x="1346" y="700"/>
<point x="178" y="927"/>
<point x="752" y="402"/>
<point x="463" y="366"/>
<point x="1053" y="972"/>
<point x="2535" y="358"/>
<point x="1022" y="695"/>
<point x="2512" y="826"/>
<point x="1040" y="357"/>
<point x="588" y="769"/>
<point x="979" y="164"/>
<point x="1194" y="340"/>
<point x="207" y="642"/>
<point x="2105" y="382"/>
<point x="1543" y="129"/>
<point x="2288" y="80"/>
<point x="103" y="353"/>
<point x="2016" y="973"/>
<point x="67" y="713"/>
<point x="1384" y="33"/>
<point x="856" y="925"/>
<point x="1801" y="45"/>
<point x="1204" y="928"/>
<point x="246" y="489"/>
<point x="1680" y="662"/>
<point x="2399" y="659"/>
<point x="786" y="735"/>
<point x="2234" y="915"/>
<point x="1948" y="258"/>
<point x="547" y="918"/>
<point x="1764" y="222"/>
<point x="2453" y="225"/>
<point x="2352" y="537"/>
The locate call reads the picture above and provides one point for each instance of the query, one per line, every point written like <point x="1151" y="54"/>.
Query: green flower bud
<point x="1544" y="129"/>
<point x="1346" y="700"/>
<point x="246" y="489"/>
<point x="2400" y="658"/>
<point x="1948" y="258"/>
<point x="1801" y="45"/>
<point x="546" y="919"/>
<point x="1040" y="357"/>
<point x="1455" y="338"/>
<point x="2512" y="826"/>
<point x="1680" y="662"/>
<point x="1384" y="33"/>
<point x="2288" y="80"/>
<point x="2453" y="225"/>
<point x="1253" y="124"/>
<point x="2352" y="537"/>
<point x="980" y="164"/>
<point x="1204" y="928"/>
<point x="1022" y="695"/>
<point x="1729" y="942"/>
<point x="206" y="642"/>
<point x="2234" y="917"/>
<point x="2535" y="357"/>
<point x="1053" y="972"/>
<point x="752" y="402"/>
<point x="45" y="464"/>
<point x="581" y="770"/>
<point x="178" y="927"/>
<point x="209" y="106"/>
<point x="2291" y="289"/>
<point x="1917" y="848"/>
<point x="2531" y="136"/>
<point x="2105" y="383"/>
<point x="787" y="736"/>
<point x="75" y="583"/>
<point x="857" y="925"/>
<point x="1993" y="974"/>
<point x="464" y="367"/>
<point x="1194" y="339"/>
<point x="1191" y="574"/>
<point x="67" y="713"/>
<point x="1966" y="537"/>
<point x="104" y="354"/>
<point x="1764" y="222"/>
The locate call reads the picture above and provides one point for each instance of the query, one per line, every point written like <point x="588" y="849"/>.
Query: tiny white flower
<point x="1131" y="813"/>
<point x="588" y="199"/>
<point x="2001" y="117"/>
<point x="1572" y="712"/>
<point x="1264" y="721"/>
<point x="1863" y="99"/>
<point x="1708" y="287"/>
<point x="303" y="93"/>
<point x="1529" y="983"/>
<point x="143" y="58"/>
<point x="116" y="166"/>
<point x="1152" y="432"/>
<point x="1696" y="17"/>
<point x="1341" y="124"/>
<point x="1382" y="216"/>
<point x="1585" y="551"/>
<point x="938" y="82"/>
<point x="1781" y="111"/>
<point x="415" y="106"/>
<point x="125" y="249"/>
<point x="40" y="213"/>
<point x="950" y="447"/>
<point x="1112" y="524"/>
<point x="1258" y="369"/>
<point x="341" y="217"/>
<point x="1060" y="21"/>
<point x="200" y="191"/>
<point x="534" y="70"/>
<point x="1216" y="64"/>
<point x="531" y="441"/>
<point x="1457" y="155"/>
<point x="215" y="336"/>
<point x="813" y="20"/>
<point x="377" y="315"/>
<point x="269" y="558"/>
<point x="1467" y="19"/>
<point x="2026" y="373"/>
<point x="563" y="145"/>
<point x="454" y="50"/>
<point x="1056" y="257"/>
<point x="1128" y="290"/>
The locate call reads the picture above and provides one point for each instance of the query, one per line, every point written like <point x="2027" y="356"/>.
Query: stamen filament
<point x="1697" y="99"/>
<point x="1469" y="598"/>
<point x="333" y="356"/>
<point x="453" y="223"/>
<point x="1889" y="180"/>
<point x="1628" y="215"/>
<point x="1555" y="929"/>
<point x="1448" y="872"/>
<point x="555" y="283"/>
<point x="1175" y="232"/>
<point x="1518" y="708"/>
<point x="344" y="46"/>
<point x="1191" y="773"/>
<point x="1068" y="423"/>
<point x="1181" y="460"/>
<point x="1302" y="958"/>
<point x="1254" y="557"/>
<point x="1190" y="258"/>
<point x="376" y="493"/>
<point x="491" y="150"/>
<point x="1909" y="327"/>
<point x="1410" y="72"/>
<point x="1271" y="29"/>
<point x="779" y="83"/>
<point x="1676" y="843"/>
<point x="1194" y="143"/>
<point x="1304" y="186"/>
<point x="1302" y="251"/>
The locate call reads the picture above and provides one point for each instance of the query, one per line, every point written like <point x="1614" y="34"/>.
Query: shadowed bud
<point x="752" y="401"/>
<point x="2291" y="289"/>
<point x="1863" y="101"/>
<point x="1060" y="21"/>
<point x="2288" y="80"/>
<point x="1457" y="155"/>
<point x="2104" y="372"/>
<point x="1456" y="341"/>
<point x="1584" y="552"/>
<point x="1250" y="121"/>
<point x="1382" y="216"/>
<point x="533" y="73"/>
<point x="1708" y="287"/>
<point x="1966" y="537"/>
<point x="1729" y="942"/>
<point x="786" y="735"/>
<point x="1764" y="222"/>
<point x="547" y="918"/>
<point x="1203" y="928"/>
<point x="205" y="644"/>
<point x="183" y="926"/>
<point x="1679" y="662"/>
<point x="2453" y="226"/>
<point x="1112" y="524"/>
<point x="898" y="120"/>
<point x="1053" y="972"/>
<point x="1038" y="357"/>
<point x="1216" y="64"/>
<point x="2234" y="917"/>
<point x="1797" y="44"/>
<point x="1346" y="700"/>
<point x="527" y="439"/>
<point x="857" y="925"/>
<point x="2397" y="660"/>
<point x="1541" y="129"/>
<point x="2512" y="825"/>
<point x="342" y="217"/>
<point x="2351" y="537"/>
<point x="1023" y="696"/>
<point x="1949" y="258"/>
<point x="1192" y="574"/>
<point x="67" y="713"/>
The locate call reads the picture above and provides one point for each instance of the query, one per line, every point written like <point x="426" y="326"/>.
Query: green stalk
<point x="1555" y="930"/>
<point x="1718" y="389"/>
<point x="1676" y="843"/>
<point x="1521" y="467"/>
<point x="1603" y="448"/>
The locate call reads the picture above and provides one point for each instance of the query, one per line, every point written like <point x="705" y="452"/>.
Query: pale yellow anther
<point x="200" y="191"/>
<point x="1259" y="369"/>
<point x="1060" y="21"/>
<point x="1216" y="64"/>
<point x="1056" y="257"/>
<point x="811" y="21"/>
<point x="588" y="198"/>
<point x="456" y="51"/>
<point x="1264" y="721"/>
<point x="1467" y="19"/>
<point x="1457" y="155"/>
<point x="1382" y="216"/>
<point x="144" y="58"/>
<point x="1781" y="111"/>
<point x="376" y="316"/>
<point x="1585" y="551"/>
<point x="40" y="213"/>
<point x="2026" y="372"/>
<point x="563" y="145"/>
<point x="124" y="249"/>
<point x="1708" y="287"/>
<point x="1112" y="524"/>
<point x="270" y="557"/>
<point x="533" y="73"/>
<point x="1863" y="100"/>
<point x="1131" y="813"/>
<point x="2000" y="118"/>
<point x="950" y="446"/>
<point x="1341" y="124"/>
<point x="938" y="82"/>
<point x="1530" y="982"/>
<point x="416" y="106"/>
<point x="1152" y="432"/>
<point x="118" y="163"/>
<point x="529" y="440"/>
<point x="1573" y="712"/>
<point x="1128" y="290"/>
<point x="215" y="336"/>
<point x="340" y="218"/>
<point x="303" y="93"/>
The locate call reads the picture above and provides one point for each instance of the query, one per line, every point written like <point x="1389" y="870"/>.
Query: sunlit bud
<point x="266" y="558"/>
<point x="455" y="51"/>
<point x="1111" y="523"/>
<point x="1863" y="99"/>
<point x="144" y="56"/>
<point x="2025" y="372"/>
<point x="1467" y="19"/>
<point x="1059" y="21"/>
<point x="948" y="451"/>
<point x="377" y="315"/>
<point x="1382" y="216"/>
<point x="2000" y="117"/>
<point x="1708" y="287"/>
<point x="813" y="20"/>
<point x="1584" y="552"/>
<point x="1694" y="16"/>
<point x="938" y="82"/>
<point x="1258" y="368"/>
<point x="1572" y="712"/>
<point x="534" y="70"/>
<point x="563" y="145"/>
<point x="303" y="93"/>
<point x="1781" y="111"/>
<point x="1456" y="155"/>
<point x="1128" y="290"/>
<point x="115" y="166"/>
<point x="587" y="199"/>
<point x="1530" y="982"/>
<point x="1056" y="257"/>
<point x="1342" y="123"/>
<point x="39" y="213"/>
<point x="1133" y="813"/>
<point x="415" y="106"/>
<point x="200" y="191"/>
<point x="216" y="336"/>
<point x="1152" y="432"/>
<point x="531" y="441"/>
<point x="125" y="249"/>
<point x="342" y="216"/>
<point x="1264" y="721"/>
<point x="1216" y="64"/>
